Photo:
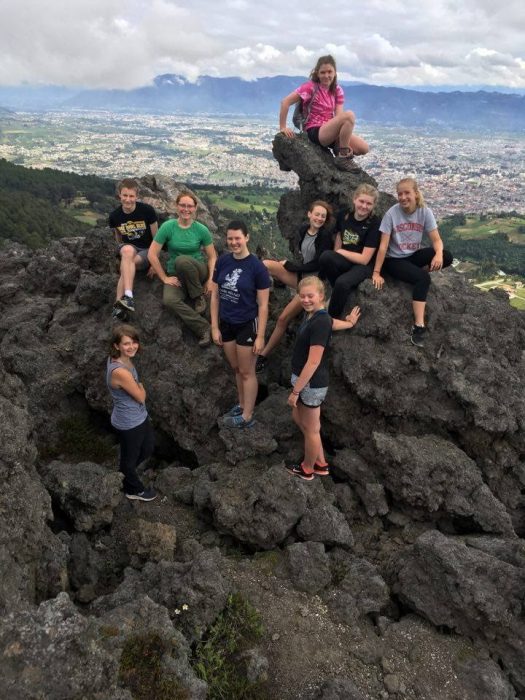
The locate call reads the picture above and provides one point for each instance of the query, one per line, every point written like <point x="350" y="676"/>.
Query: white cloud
<point x="105" y="43"/>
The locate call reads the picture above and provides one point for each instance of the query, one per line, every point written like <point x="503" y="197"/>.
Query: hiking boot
<point x="200" y="304"/>
<point x="146" y="495"/>
<point x="127" y="303"/>
<point x="238" y="422"/>
<point x="260" y="364"/>
<point x="297" y="470"/>
<point x="418" y="336"/>
<point x="234" y="411"/>
<point x="205" y="339"/>
<point x="346" y="163"/>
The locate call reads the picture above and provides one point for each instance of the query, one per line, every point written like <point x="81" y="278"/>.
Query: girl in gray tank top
<point x="129" y="416"/>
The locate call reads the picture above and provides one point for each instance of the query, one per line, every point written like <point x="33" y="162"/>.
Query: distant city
<point x="458" y="172"/>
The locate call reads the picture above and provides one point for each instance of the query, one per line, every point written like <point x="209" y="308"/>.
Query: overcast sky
<point x="126" y="43"/>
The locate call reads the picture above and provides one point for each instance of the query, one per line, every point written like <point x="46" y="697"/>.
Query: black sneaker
<point x="297" y="470"/>
<point x="119" y="314"/>
<point x="260" y="365"/>
<point x="146" y="495"/>
<point x="418" y="336"/>
<point x="127" y="303"/>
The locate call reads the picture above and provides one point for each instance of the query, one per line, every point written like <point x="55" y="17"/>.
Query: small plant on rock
<point x="218" y="657"/>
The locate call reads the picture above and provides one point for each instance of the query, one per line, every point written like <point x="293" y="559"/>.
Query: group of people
<point x="238" y="284"/>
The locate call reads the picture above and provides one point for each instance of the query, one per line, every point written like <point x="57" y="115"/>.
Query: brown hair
<point x="185" y="193"/>
<point x="315" y="282"/>
<point x="325" y="205"/>
<point x="420" y="202"/>
<point x="367" y="189"/>
<point x="118" y="333"/>
<point x="314" y="75"/>
<point x="128" y="183"/>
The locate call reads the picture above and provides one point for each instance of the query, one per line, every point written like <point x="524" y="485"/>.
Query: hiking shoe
<point x="200" y="304"/>
<point x="205" y="339"/>
<point x="346" y="163"/>
<point x="234" y="411"/>
<point x="146" y="495"/>
<point x="418" y="336"/>
<point x="118" y="313"/>
<point x="127" y="303"/>
<point x="238" y="422"/>
<point x="260" y="364"/>
<point x="297" y="470"/>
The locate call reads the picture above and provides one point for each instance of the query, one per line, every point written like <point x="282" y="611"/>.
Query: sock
<point x="128" y="293"/>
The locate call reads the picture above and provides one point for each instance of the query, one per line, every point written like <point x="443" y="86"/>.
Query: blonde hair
<point x="420" y="202"/>
<point x="369" y="190"/>
<point x="312" y="281"/>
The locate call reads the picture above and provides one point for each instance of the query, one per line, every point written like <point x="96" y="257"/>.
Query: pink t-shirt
<point x="324" y="105"/>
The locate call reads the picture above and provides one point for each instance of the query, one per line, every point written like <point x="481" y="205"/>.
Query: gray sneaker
<point x="146" y="495"/>
<point x="127" y="303"/>
<point x="205" y="339"/>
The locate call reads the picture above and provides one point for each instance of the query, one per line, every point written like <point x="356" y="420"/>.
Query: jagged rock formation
<point x="402" y="576"/>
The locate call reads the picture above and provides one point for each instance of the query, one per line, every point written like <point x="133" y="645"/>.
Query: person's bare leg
<point x="230" y="351"/>
<point x="290" y="311"/>
<point x="278" y="272"/>
<point x="128" y="258"/>
<point x="246" y="372"/>
<point x="311" y="422"/>
<point x="419" y="312"/>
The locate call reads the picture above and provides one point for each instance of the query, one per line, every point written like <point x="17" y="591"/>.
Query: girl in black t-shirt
<point x="356" y="242"/>
<point x="310" y="375"/>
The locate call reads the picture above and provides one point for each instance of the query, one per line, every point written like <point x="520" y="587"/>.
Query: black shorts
<point x="241" y="333"/>
<point x="313" y="135"/>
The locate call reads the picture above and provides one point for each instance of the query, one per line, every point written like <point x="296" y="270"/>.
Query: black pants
<point x="409" y="270"/>
<point x="344" y="277"/>
<point x="136" y="445"/>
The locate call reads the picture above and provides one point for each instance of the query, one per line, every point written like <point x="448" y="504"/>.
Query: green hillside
<point x="37" y="206"/>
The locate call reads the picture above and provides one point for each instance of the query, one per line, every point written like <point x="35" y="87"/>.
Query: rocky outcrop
<point x="402" y="575"/>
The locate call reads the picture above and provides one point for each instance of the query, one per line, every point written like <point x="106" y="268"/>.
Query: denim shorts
<point x="141" y="252"/>
<point x="311" y="397"/>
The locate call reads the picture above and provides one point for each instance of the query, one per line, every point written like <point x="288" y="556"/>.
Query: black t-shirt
<point x="316" y="330"/>
<point x="356" y="235"/>
<point x="135" y="227"/>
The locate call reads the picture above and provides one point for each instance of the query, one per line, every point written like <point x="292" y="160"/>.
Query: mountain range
<point x="494" y="111"/>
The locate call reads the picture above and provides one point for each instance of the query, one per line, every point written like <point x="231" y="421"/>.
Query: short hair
<point x="128" y="183"/>
<point x="314" y="282"/>
<point x="118" y="333"/>
<point x="420" y="201"/>
<point x="325" y="205"/>
<point x="314" y="75"/>
<point x="185" y="193"/>
<point x="370" y="190"/>
<point x="237" y="225"/>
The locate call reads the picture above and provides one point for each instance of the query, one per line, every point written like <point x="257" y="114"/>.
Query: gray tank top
<point x="127" y="413"/>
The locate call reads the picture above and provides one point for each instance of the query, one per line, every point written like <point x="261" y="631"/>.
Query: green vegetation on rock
<point x="142" y="672"/>
<point x="218" y="658"/>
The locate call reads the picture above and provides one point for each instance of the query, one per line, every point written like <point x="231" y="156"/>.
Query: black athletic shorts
<point x="242" y="333"/>
<point x="313" y="135"/>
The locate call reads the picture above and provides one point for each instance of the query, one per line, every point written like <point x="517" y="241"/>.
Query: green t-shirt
<point x="183" y="241"/>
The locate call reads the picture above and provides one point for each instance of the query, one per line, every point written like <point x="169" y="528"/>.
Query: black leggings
<point x="409" y="270"/>
<point x="344" y="277"/>
<point x="136" y="445"/>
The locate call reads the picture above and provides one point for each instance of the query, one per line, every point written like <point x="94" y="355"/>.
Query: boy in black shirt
<point x="134" y="225"/>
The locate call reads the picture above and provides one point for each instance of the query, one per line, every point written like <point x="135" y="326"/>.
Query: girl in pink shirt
<point x="327" y="124"/>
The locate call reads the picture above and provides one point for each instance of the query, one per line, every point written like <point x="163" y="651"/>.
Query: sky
<point x="125" y="44"/>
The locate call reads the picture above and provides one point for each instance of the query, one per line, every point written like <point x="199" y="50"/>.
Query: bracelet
<point x="295" y="393"/>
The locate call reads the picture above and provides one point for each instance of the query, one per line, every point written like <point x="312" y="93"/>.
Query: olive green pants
<point x="192" y="274"/>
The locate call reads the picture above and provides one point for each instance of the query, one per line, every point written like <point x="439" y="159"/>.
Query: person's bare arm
<point x="286" y="103"/>
<point x="121" y="378"/>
